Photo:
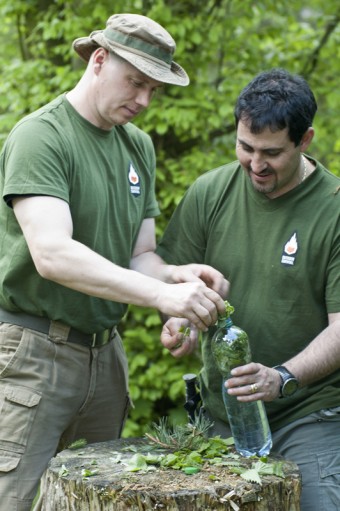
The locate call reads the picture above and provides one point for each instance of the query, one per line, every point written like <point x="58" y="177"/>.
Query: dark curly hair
<point x="277" y="100"/>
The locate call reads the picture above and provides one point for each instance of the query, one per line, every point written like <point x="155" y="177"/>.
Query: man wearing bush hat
<point x="140" y="41"/>
<point x="77" y="238"/>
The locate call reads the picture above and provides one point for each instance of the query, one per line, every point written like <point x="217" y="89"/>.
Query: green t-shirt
<point x="282" y="258"/>
<point x="106" y="177"/>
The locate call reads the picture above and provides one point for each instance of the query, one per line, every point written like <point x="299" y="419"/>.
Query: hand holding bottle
<point x="253" y="381"/>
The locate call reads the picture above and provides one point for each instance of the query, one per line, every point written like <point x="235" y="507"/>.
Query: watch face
<point x="289" y="387"/>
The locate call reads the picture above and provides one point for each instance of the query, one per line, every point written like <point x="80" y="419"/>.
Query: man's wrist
<point x="289" y="383"/>
<point x="168" y="274"/>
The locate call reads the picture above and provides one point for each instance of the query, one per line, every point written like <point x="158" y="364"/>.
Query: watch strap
<point x="286" y="376"/>
<point x="284" y="373"/>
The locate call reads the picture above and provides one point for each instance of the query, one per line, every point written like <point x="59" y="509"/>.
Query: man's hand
<point x="179" y="343"/>
<point x="254" y="381"/>
<point x="191" y="300"/>
<point x="193" y="272"/>
<point x="203" y="290"/>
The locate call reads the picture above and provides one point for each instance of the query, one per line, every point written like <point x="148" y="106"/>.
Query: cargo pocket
<point x="18" y="406"/>
<point x="8" y="463"/>
<point x="329" y="464"/>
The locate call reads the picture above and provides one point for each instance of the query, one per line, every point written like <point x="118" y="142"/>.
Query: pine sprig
<point x="180" y="437"/>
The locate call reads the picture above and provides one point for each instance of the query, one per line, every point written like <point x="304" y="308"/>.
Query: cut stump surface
<point x="94" y="478"/>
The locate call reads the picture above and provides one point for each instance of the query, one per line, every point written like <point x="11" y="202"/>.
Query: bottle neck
<point x="224" y="322"/>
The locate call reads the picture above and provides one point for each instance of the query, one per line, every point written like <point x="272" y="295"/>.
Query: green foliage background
<point x="222" y="44"/>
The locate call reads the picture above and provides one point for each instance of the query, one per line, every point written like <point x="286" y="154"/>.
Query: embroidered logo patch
<point x="290" y="250"/>
<point x="134" y="181"/>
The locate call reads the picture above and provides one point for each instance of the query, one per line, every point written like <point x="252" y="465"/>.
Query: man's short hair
<point x="277" y="99"/>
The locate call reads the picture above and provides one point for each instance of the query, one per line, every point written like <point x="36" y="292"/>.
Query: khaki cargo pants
<point x="52" y="393"/>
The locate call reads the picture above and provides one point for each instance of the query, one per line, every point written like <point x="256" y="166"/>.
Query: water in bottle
<point x="249" y="425"/>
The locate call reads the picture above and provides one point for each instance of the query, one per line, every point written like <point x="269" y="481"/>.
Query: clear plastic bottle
<point x="248" y="421"/>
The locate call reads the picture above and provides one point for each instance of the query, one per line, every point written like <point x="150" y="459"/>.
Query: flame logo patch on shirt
<point x="134" y="181"/>
<point x="290" y="250"/>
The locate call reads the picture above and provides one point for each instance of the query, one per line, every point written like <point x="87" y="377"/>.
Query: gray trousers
<point x="52" y="393"/>
<point x="313" y="443"/>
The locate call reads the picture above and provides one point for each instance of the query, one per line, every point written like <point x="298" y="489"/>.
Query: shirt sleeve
<point x="34" y="161"/>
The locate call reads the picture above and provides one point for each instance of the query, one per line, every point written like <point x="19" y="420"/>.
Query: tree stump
<point x="94" y="478"/>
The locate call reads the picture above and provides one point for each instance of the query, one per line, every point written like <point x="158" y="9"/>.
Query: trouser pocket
<point x="128" y="406"/>
<point x="12" y="348"/>
<point x="18" y="406"/>
<point x="329" y="466"/>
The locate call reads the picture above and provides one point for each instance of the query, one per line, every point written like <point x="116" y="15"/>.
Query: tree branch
<point x="314" y="58"/>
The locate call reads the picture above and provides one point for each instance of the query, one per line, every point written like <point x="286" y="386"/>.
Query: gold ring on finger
<point x="253" y="388"/>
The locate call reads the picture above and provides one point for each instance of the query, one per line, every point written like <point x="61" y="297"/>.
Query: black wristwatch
<point x="289" y="384"/>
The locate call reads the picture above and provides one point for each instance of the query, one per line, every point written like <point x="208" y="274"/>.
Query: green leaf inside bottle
<point x="230" y="344"/>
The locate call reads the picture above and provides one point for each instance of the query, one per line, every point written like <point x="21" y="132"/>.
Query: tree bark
<point x="65" y="486"/>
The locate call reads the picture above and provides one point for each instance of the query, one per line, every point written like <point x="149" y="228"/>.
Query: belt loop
<point x="94" y="338"/>
<point x="58" y="332"/>
<point x="101" y="338"/>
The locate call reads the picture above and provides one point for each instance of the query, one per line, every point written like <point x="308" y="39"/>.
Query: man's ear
<point x="306" y="139"/>
<point x="99" y="56"/>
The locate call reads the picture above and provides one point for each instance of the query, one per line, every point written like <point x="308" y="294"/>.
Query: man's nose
<point x="258" y="164"/>
<point x="144" y="97"/>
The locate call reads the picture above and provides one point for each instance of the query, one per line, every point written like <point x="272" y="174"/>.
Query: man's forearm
<point x="151" y="264"/>
<point x="320" y="358"/>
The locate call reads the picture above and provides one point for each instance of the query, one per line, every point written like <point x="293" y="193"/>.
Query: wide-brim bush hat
<point x="140" y="41"/>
